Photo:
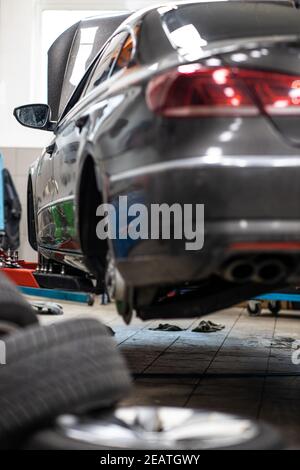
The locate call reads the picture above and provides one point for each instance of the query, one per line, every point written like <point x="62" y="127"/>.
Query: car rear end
<point x="227" y="123"/>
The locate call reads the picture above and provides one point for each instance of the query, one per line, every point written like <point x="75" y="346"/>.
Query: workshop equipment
<point x="56" y="294"/>
<point x="274" y="301"/>
<point x="41" y="281"/>
<point x="10" y="211"/>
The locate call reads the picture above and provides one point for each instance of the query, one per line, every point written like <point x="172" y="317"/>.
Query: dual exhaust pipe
<point x="267" y="271"/>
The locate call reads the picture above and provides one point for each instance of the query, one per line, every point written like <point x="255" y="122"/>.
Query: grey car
<point x="189" y="103"/>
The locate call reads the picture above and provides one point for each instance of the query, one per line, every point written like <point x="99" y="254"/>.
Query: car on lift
<point x="184" y="103"/>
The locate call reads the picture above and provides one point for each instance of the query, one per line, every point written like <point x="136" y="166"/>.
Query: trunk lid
<point x="281" y="62"/>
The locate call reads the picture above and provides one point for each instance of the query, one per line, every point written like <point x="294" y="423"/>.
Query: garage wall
<point x="19" y="45"/>
<point x="17" y="161"/>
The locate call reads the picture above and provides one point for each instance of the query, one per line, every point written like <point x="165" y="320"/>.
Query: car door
<point x="71" y="136"/>
<point x="44" y="194"/>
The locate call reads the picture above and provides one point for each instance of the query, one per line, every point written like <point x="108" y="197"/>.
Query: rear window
<point x="91" y="35"/>
<point x="203" y="23"/>
<point x="108" y="63"/>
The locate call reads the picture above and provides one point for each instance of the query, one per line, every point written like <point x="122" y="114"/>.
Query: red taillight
<point x="277" y="93"/>
<point x="193" y="90"/>
<point x="265" y="246"/>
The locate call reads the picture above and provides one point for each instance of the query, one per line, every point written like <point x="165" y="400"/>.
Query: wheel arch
<point x="89" y="195"/>
<point x="31" y="217"/>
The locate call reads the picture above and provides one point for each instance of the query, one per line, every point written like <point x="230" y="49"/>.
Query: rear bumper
<point x="224" y="242"/>
<point x="231" y="187"/>
<point x="247" y="200"/>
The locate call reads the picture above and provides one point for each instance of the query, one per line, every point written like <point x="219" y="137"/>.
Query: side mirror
<point x="35" y="116"/>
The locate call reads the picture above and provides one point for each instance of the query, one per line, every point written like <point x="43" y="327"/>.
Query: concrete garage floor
<point x="225" y="370"/>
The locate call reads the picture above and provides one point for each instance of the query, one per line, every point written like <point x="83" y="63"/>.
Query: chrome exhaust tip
<point x="239" y="271"/>
<point x="271" y="271"/>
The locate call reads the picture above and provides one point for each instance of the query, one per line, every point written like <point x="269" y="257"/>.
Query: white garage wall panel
<point x="17" y="84"/>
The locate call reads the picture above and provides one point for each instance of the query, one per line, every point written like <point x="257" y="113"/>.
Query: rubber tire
<point x="7" y="328"/>
<point x="13" y="306"/>
<point x="63" y="368"/>
<point x="295" y="306"/>
<point x="274" y="307"/>
<point x="256" y="312"/>
<point x="50" y="439"/>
